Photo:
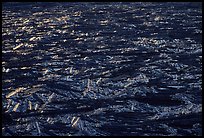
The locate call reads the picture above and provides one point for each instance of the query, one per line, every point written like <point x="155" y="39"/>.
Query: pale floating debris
<point x="38" y="85"/>
<point x="20" y="45"/>
<point x="50" y="97"/>
<point x="104" y="22"/>
<point x="63" y="32"/>
<point x="127" y="85"/>
<point x="14" y="92"/>
<point x="105" y="72"/>
<point x="35" y="38"/>
<point x="177" y="87"/>
<point x="8" y="80"/>
<point x="9" y="104"/>
<point x="64" y="40"/>
<point x="162" y="88"/>
<point x="25" y="67"/>
<point x="77" y="13"/>
<point x="68" y="78"/>
<point x="132" y="107"/>
<point x="86" y="58"/>
<point x="99" y="80"/>
<point x="42" y="107"/>
<point x="5" y="70"/>
<point x="75" y="122"/>
<point x="17" y="40"/>
<point x="73" y="119"/>
<point x="30" y="105"/>
<point x="98" y="111"/>
<point x="88" y="89"/>
<point x="32" y="90"/>
<point x="158" y="18"/>
<point x="38" y="128"/>
<point x="37" y="13"/>
<point x="85" y="91"/>
<point x="36" y="107"/>
<point x="23" y="28"/>
<point x="142" y="78"/>
<point x="45" y="71"/>
<point x="155" y="117"/>
<point x="89" y="83"/>
<point x="86" y="70"/>
<point x="71" y="70"/>
<point x="16" y="107"/>
<point x="48" y="119"/>
<point x="48" y="101"/>
<point x="98" y="38"/>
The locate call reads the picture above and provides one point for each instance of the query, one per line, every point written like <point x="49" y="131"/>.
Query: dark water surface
<point x="102" y="69"/>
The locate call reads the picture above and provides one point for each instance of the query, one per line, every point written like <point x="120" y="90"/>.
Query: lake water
<point x="119" y="69"/>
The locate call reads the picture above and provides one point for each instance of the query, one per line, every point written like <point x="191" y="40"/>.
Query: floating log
<point x="14" y="92"/>
<point x="16" y="107"/>
<point x="20" y="45"/>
